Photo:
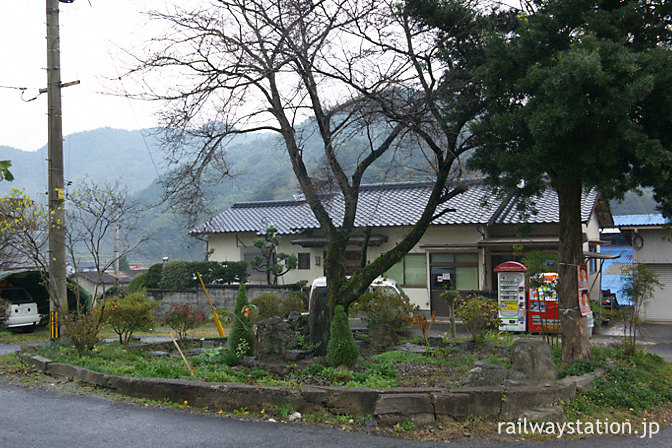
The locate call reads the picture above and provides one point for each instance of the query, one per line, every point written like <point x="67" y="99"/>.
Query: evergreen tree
<point x="342" y="348"/>
<point x="241" y="339"/>
<point x="578" y="94"/>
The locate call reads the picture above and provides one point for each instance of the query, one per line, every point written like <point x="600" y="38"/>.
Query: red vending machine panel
<point x="543" y="312"/>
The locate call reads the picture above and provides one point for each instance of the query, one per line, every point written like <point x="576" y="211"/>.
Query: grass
<point x="39" y="335"/>
<point x="635" y="384"/>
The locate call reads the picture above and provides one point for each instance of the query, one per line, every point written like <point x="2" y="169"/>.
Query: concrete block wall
<point x="222" y="296"/>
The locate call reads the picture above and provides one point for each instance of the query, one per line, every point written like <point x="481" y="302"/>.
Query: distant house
<point x="459" y="250"/>
<point x="649" y="236"/>
<point x="89" y="279"/>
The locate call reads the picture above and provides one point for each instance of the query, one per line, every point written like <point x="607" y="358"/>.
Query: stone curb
<point x="422" y="406"/>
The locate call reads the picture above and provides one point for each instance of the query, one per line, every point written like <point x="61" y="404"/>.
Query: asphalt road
<point x="37" y="417"/>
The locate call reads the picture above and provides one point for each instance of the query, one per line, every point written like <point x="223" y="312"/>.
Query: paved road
<point x="48" y="418"/>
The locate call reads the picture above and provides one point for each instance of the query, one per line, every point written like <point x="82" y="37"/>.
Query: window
<point x="458" y="271"/>
<point x="304" y="260"/>
<point x="411" y="271"/>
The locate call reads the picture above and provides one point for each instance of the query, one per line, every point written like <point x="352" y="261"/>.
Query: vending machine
<point x="543" y="312"/>
<point x="511" y="295"/>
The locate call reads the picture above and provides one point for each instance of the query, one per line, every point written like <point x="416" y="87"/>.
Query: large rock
<point x="533" y="358"/>
<point x="274" y="336"/>
<point x="382" y="335"/>
<point x="298" y="322"/>
<point x="485" y="374"/>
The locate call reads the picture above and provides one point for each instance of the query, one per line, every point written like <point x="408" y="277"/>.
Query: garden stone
<point x="533" y="358"/>
<point x="411" y="348"/>
<point x="295" y="355"/>
<point x="273" y="337"/>
<point x="298" y="322"/>
<point x="370" y="423"/>
<point x="382" y="335"/>
<point x="295" y="416"/>
<point x="490" y="375"/>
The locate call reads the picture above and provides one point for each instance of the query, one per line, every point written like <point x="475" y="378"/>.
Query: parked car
<point x="21" y="311"/>
<point x="319" y="288"/>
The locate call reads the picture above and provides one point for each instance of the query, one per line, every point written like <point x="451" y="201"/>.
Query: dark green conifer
<point x="342" y="348"/>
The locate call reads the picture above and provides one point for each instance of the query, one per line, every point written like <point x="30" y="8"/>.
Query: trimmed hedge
<point x="178" y="274"/>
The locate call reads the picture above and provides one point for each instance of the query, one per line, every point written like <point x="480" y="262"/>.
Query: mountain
<point x="132" y="157"/>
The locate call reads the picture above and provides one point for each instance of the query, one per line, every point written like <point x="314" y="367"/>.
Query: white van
<point x="21" y="311"/>
<point x="319" y="288"/>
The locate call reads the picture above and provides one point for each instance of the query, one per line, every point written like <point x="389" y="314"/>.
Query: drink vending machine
<point x="511" y="296"/>
<point x="543" y="315"/>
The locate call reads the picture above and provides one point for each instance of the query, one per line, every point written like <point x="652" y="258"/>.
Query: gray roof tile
<point x="388" y="205"/>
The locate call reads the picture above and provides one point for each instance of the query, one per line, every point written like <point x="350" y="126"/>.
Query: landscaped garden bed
<point x="443" y="366"/>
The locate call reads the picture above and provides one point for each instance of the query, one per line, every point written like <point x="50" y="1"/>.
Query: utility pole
<point x="57" y="288"/>
<point x="116" y="245"/>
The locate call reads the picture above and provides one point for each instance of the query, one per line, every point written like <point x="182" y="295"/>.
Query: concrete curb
<point x="422" y="406"/>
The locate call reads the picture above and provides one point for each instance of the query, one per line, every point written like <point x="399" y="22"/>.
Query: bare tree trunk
<point x="575" y="342"/>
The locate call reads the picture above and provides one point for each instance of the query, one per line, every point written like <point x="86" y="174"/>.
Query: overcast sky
<point x="91" y="38"/>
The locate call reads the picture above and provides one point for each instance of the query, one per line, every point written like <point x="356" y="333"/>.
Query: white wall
<point x="228" y="248"/>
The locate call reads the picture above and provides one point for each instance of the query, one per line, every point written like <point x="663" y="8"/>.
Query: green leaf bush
<point x="293" y="302"/>
<point x="341" y="348"/>
<point x="129" y="313"/>
<point x="268" y="305"/>
<point x="179" y="274"/>
<point x="479" y="314"/>
<point x="183" y="318"/>
<point x="241" y="340"/>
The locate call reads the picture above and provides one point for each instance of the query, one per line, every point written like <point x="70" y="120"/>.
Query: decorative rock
<point x="273" y="336"/>
<point x="533" y="358"/>
<point x="411" y="348"/>
<point x="382" y="335"/>
<point x="295" y="355"/>
<point x="490" y="375"/>
<point x="298" y="322"/>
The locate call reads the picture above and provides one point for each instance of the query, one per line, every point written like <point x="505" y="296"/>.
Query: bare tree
<point x="352" y="67"/>
<point x="93" y="211"/>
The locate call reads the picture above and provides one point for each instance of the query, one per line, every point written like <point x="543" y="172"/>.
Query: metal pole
<point x="58" y="295"/>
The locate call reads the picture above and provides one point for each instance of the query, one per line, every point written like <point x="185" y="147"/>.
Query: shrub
<point x="478" y="314"/>
<point x="128" y="314"/>
<point x="341" y="348"/>
<point x="82" y="329"/>
<point x="183" y="318"/>
<point x="177" y="274"/>
<point x="268" y="305"/>
<point x="149" y="279"/>
<point x="381" y="307"/>
<point x="241" y="340"/>
<point x="293" y="302"/>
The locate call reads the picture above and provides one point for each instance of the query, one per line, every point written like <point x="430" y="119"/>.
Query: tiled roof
<point x="387" y="205"/>
<point x="640" y="220"/>
<point x="544" y="209"/>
